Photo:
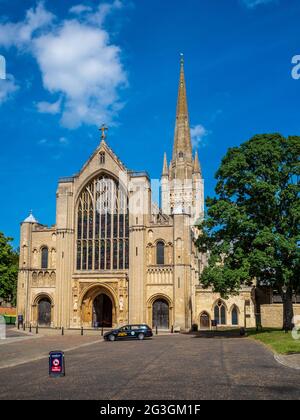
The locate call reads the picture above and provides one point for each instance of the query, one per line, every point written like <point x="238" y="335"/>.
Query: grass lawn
<point x="277" y="340"/>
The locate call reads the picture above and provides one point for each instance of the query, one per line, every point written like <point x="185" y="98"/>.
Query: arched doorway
<point x="44" y="312"/>
<point x="160" y="314"/>
<point x="102" y="311"/>
<point x="98" y="307"/>
<point x="204" y="320"/>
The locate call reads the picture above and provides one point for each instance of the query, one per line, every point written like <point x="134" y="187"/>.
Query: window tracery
<point x="102" y="226"/>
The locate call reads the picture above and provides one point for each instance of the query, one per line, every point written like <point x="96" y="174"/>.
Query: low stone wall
<point x="272" y="315"/>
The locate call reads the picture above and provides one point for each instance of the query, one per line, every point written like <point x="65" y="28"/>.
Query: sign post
<point x="56" y="363"/>
<point x="214" y="323"/>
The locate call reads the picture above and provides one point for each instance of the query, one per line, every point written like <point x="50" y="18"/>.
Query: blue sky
<point x="72" y="65"/>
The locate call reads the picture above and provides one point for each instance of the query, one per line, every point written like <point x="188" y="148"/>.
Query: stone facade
<point x="113" y="257"/>
<point x="272" y="315"/>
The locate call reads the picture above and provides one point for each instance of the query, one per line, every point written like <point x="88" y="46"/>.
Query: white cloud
<point x="98" y="15"/>
<point x="252" y="4"/>
<point x="103" y="10"/>
<point x="198" y="133"/>
<point x="79" y="9"/>
<point x="77" y="62"/>
<point x="20" y="34"/>
<point x="48" y="107"/>
<point x="63" y="140"/>
<point x="7" y="88"/>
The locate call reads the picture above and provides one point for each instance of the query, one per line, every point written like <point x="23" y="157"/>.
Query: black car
<point x="136" y="331"/>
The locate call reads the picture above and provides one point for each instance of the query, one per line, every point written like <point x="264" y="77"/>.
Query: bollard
<point x="37" y="329"/>
<point x="62" y="331"/>
<point x="102" y="331"/>
<point x="172" y="329"/>
<point x="156" y="330"/>
<point x="18" y="325"/>
<point x="24" y="326"/>
<point x="30" y="328"/>
<point x="81" y="330"/>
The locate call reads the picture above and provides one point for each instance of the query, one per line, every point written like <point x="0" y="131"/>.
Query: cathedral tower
<point x="181" y="182"/>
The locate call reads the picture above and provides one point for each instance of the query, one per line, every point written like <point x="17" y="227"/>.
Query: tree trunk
<point x="288" y="310"/>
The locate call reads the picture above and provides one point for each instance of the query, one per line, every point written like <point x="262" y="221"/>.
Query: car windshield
<point x="126" y="328"/>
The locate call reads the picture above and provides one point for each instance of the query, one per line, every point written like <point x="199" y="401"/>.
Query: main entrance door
<point x="160" y="314"/>
<point x="102" y="311"/>
<point x="44" y="312"/>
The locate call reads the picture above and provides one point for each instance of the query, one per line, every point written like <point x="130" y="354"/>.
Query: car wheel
<point x="141" y="336"/>
<point x="111" y="337"/>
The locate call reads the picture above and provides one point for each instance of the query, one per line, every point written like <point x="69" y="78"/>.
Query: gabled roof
<point x="105" y="148"/>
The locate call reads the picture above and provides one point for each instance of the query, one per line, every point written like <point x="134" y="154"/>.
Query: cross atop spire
<point x="103" y="129"/>
<point x="182" y="139"/>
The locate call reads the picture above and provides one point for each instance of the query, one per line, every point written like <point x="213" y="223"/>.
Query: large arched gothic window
<point x="220" y="313"/>
<point x="102" y="226"/>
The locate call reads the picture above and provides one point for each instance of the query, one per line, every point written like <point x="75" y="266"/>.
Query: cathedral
<point x="114" y="257"/>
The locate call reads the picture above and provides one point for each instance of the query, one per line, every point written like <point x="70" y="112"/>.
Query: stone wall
<point x="272" y="315"/>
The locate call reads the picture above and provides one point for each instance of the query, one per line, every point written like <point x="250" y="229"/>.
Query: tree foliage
<point x="252" y="227"/>
<point x="8" y="270"/>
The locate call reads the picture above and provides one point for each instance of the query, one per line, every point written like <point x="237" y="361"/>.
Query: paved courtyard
<point x="166" y="367"/>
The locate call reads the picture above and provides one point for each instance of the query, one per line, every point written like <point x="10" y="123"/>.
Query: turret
<point x="165" y="190"/>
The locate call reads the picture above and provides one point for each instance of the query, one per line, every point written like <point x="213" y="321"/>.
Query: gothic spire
<point x="182" y="139"/>
<point x="196" y="169"/>
<point x="165" y="166"/>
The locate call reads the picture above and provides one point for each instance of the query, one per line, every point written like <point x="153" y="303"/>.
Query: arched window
<point x="234" y="316"/>
<point x="102" y="158"/>
<point x="160" y="253"/>
<point x="44" y="259"/>
<point x="102" y="226"/>
<point x="220" y="313"/>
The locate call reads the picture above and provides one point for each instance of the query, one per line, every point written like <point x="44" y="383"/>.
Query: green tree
<point x="8" y="270"/>
<point x="252" y="227"/>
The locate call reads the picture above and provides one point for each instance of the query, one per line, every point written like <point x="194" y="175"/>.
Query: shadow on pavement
<point x="217" y="334"/>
